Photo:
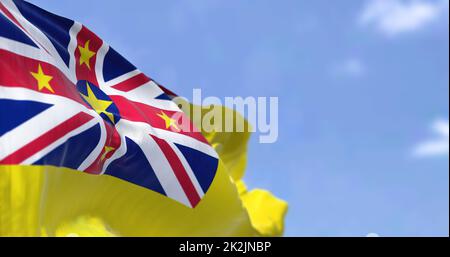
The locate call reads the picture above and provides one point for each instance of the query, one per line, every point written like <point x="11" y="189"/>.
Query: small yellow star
<point x="169" y="121"/>
<point x="42" y="79"/>
<point x="85" y="54"/>
<point x="98" y="105"/>
<point x="107" y="150"/>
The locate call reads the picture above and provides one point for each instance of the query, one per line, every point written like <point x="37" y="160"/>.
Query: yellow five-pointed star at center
<point x="85" y="54"/>
<point x="169" y="121"/>
<point x="98" y="105"/>
<point x="42" y="79"/>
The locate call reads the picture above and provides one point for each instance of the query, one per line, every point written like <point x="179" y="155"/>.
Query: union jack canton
<point x="68" y="99"/>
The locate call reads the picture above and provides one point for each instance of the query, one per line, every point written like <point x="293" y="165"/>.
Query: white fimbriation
<point x="38" y="155"/>
<point x="186" y="141"/>
<point x="156" y="157"/>
<point x="160" y="104"/>
<point x="171" y="137"/>
<point x="100" y="58"/>
<point x="146" y="92"/>
<point x="121" y="151"/>
<point x="26" y="51"/>
<point x="74" y="30"/>
<point x="38" y="36"/>
<point x="33" y="128"/>
<point x="121" y="78"/>
<point x="21" y="29"/>
<point x="188" y="169"/>
<point x="100" y="145"/>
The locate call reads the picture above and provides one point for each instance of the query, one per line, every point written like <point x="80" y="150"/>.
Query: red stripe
<point x="14" y="20"/>
<point x="82" y="71"/>
<point x="15" y="71"/>
<point x="135" y="111"/>
<point x="10" y="16"/>
<point x="112" y="140"/>
<point x="44" y="140"/>
<point x="179" y="170"/>
<point x="132" y="83"/>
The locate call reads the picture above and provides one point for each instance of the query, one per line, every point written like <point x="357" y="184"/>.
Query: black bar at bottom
<point x="232" y="246"/>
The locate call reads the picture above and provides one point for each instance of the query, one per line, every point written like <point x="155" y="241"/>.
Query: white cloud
<point x="372" y="235"/>
<point x="353" y="67"/>
<point x="437" y="146"/>
<point x="393" y="17"/>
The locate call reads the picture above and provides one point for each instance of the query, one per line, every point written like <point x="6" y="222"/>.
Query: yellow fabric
<point x="231" y="146"/>
<point x="265" y="210"/>
<point x="42" y="200"/>
<point x="84" y="226"/>
<point x="50" y="201"/>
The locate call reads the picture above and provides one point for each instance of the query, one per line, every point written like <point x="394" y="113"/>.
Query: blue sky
<point x="363" y="92"/>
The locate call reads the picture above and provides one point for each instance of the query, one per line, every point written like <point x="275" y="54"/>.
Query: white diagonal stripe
<point x="39" y="36"/>
<point x="156" y="158"/>
<point x="188" y="169"/>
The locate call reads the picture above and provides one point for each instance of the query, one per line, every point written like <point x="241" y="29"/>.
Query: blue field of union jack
<point x="68" y="99"/>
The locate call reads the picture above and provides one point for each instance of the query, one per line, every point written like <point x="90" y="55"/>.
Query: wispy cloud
<point x="351" y="67"/>
<point x="393" y="17"/>
<point x="437" y="146"/>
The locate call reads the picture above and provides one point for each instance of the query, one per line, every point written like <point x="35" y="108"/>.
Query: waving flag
<point x="68" y="99"/>
<point x="71" y="106"/>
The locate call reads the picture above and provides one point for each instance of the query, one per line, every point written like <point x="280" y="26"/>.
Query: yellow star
<point x="98" y="105"/>
<point x="107" y="150"/>
<point x="85" y="54"/>
<point x="42" y="79"/>
<point x="169" y="121"/>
